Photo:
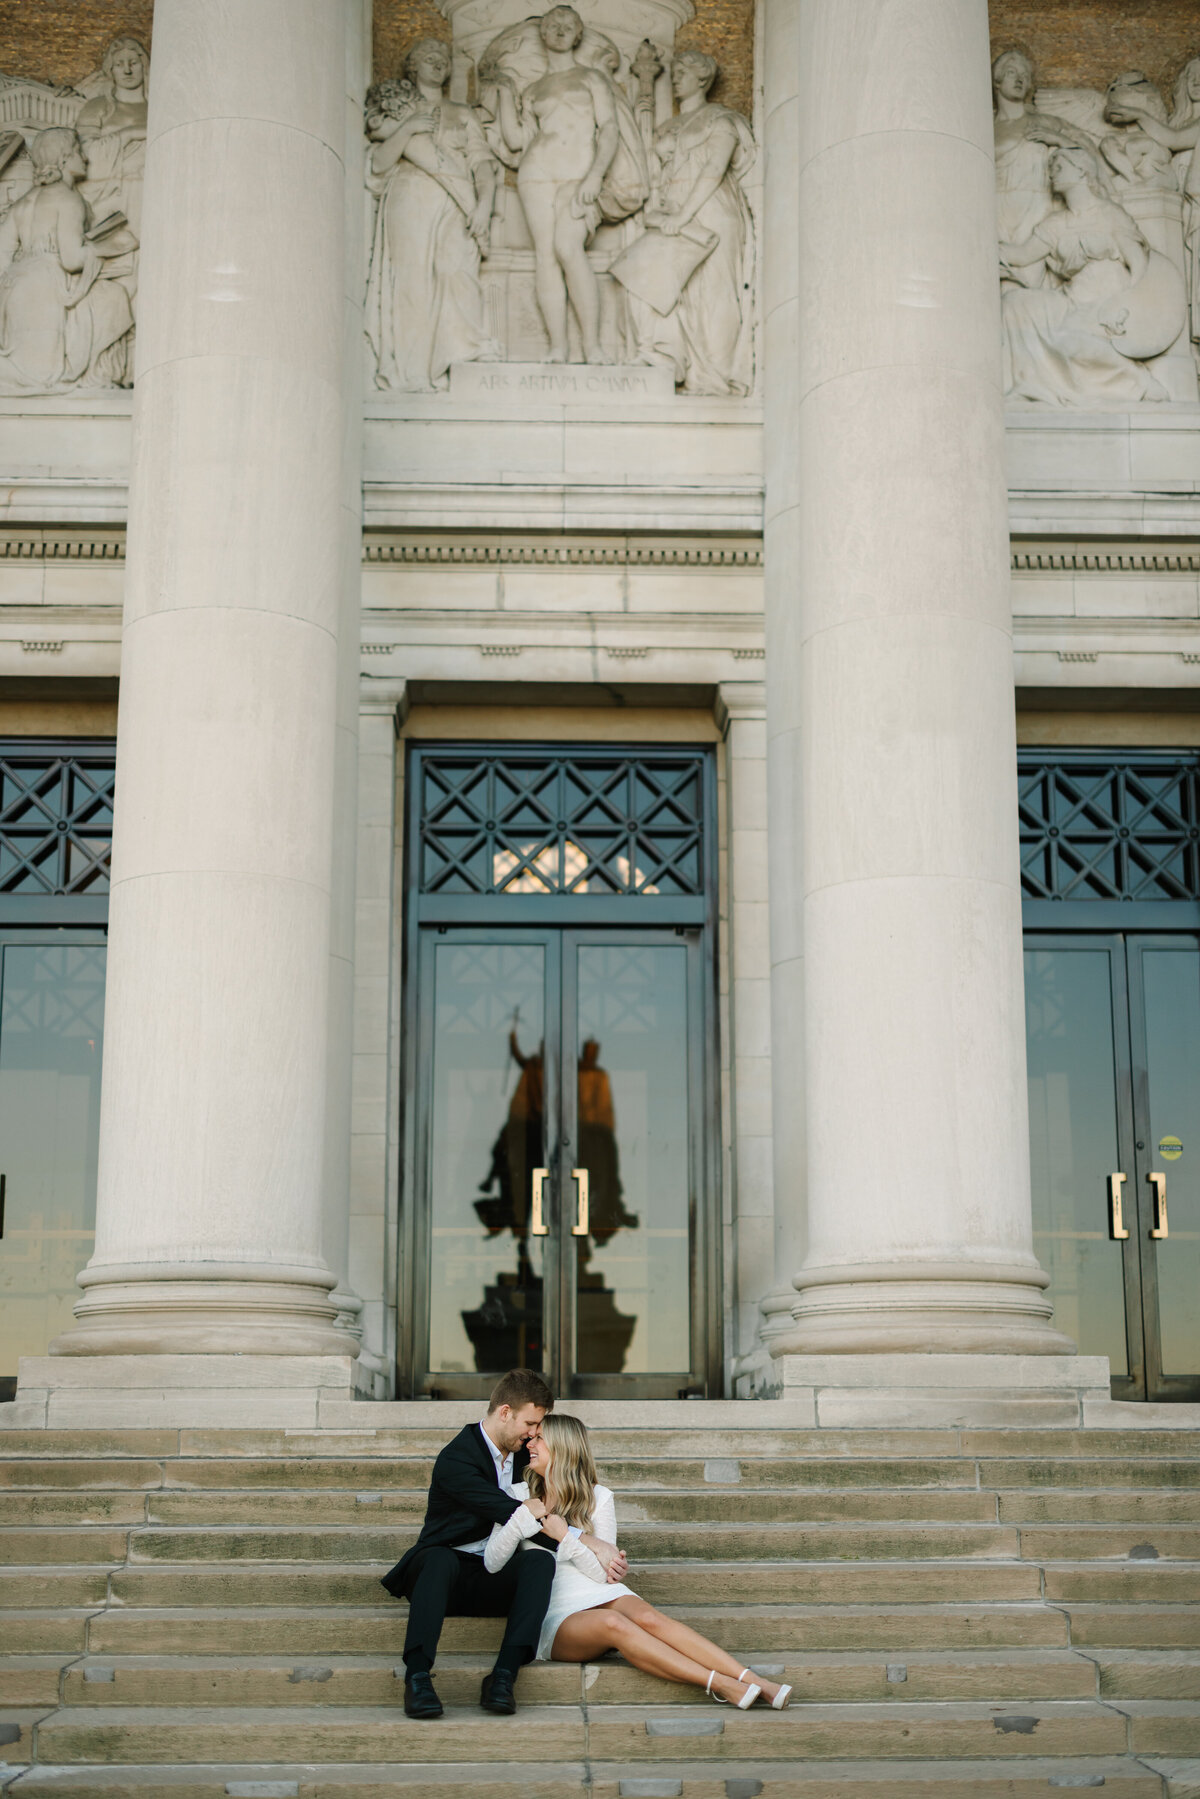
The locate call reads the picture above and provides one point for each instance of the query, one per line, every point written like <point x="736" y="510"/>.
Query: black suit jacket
<point x="465" y="1500"/>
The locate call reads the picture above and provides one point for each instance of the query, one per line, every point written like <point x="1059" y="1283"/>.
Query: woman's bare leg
<point x="537" y="202"/>
<point x="687" y="1641"/>
<point x="585" y="1636"/>
<point x="570" y="244"/>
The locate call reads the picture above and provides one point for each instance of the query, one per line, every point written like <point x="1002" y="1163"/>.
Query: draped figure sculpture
<point x="1181" y="133"/>
<point x="435" y="180"/>
<point x="580" y="161"/>
<point x="1114" y="302"/>
<point x="690" y="277"/>
<point x="63" y="321"/>
<point x="1024" y="139"/>
<point x="112" y="131"/>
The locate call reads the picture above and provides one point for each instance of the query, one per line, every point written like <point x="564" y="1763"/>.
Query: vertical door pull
<point x="1159" y="1183"/>
<point x="581" y="1225"/>
<point x="538" y="1226"/>
<point x="1116" y="1219"/>
<point x="3" y="1185"/>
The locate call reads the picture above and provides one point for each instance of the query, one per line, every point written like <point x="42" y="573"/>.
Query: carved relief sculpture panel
<point x="71" y="162"/>
<point x="586" y="207"/>
<point x="1098" y="211"/>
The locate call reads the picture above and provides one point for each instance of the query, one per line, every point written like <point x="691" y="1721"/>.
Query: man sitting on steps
<point x="443" y="1575"/>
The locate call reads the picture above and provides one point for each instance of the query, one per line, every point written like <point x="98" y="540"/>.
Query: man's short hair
<point x="521" y="1387"/>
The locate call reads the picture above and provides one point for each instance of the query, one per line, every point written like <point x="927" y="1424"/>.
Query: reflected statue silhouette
<point x="506" y="1330"/>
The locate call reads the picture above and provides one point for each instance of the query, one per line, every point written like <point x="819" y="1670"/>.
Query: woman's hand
<point x="555" y="1527"/>
<point x="614" y="1561"/>
<point x="536" y="1508"/>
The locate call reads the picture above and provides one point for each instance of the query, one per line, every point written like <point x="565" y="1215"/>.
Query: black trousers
<point x="446" y="1583"/>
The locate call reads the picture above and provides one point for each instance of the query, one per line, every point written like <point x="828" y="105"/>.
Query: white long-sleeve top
<point x="506" y="1539"/>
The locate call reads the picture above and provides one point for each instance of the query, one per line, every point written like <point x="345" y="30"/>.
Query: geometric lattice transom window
<point x="547" y="822"/>
<point x="1110" y="827"/>
<point x="56" y="815"/>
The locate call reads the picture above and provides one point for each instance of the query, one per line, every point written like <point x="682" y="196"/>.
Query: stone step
<point x="1143" y="1626"/>
<point x="681" y="1583"/>
<point x="45" y="1632"/>
<point x="1132" y="1583"/>
<point x="643" y="1543"/>
<point x="614" y="1733"/>
<point x="369" y="1541"/>
<point x="720" y="1473"/>
<point x="1128" y="1506"/>
<point x="782" y="1629"/>
<point x="1036" y="1778"/>
<point x="685" y="1506"/>
<point x="1149" y="1674"/>
<point x="364" y="1680"/>
<point x="692" y="1436"/>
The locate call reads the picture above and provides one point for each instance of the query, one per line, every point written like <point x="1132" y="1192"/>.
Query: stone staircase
<point x="195" y="1613"/>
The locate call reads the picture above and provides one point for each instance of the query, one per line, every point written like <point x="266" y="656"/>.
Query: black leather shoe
<point x="496" y="1694"/>
<point x="420" y="1700"/>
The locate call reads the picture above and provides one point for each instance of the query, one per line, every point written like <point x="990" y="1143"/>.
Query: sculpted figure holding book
<point x="63" y="320"/>
<point x="690" y="276"/>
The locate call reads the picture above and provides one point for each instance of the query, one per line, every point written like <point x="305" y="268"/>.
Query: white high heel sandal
<point x="779" y="1703"/>
<point x="743" y="1704"/>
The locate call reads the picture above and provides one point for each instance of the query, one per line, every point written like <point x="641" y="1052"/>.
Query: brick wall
<point x="1084" y="43"/>
<point x="61" y="41"/>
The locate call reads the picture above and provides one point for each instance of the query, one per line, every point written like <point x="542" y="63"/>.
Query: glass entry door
<point x="1113" y="1030"/>
<point x="51" y="1040"/>
<point x="560" y="1160"/>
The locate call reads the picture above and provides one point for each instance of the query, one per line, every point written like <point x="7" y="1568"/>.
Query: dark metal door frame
<point x="1145" y="1380"/>
<point x="553" y="918"/>
<point x="1159" y="1386"/>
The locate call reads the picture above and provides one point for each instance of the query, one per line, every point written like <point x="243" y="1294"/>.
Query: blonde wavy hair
<point x="572" y="1470"/>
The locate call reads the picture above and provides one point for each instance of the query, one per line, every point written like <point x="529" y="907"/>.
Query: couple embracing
<point x="518" y="1527"/>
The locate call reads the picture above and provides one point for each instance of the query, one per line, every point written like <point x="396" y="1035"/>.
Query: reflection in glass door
<point x="1113" y="1033"/>
<point x="631" y="1157"/>
<point x="560" y="1158"/>
<point x="1165" y="991"/>
<point x="51" y="1039"/>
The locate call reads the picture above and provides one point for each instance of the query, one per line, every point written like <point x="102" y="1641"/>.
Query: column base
<point x="951" y="1308"/>
<point x="943" y="1392"/>
<point x="206" y="1310"/>
<point x="180" y="1392"/>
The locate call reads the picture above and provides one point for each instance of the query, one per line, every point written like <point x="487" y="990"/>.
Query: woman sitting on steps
<point x="589" y="1614"/>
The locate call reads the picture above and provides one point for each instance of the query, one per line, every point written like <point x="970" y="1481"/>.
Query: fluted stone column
<point x="336" y="1179"/>
<point x="209" y="1210"/>
<point x="781" y="549"/>
<point x="892" y="683"/>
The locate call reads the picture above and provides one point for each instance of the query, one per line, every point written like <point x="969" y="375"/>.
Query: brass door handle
<point x="1116" y="1219"/>
<point x="538" y="1226"/>
<point x="581" y="1225"/>
<point x="1159" y="1183"/>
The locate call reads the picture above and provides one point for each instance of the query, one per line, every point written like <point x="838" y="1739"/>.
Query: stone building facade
<point x="650" y="557"/>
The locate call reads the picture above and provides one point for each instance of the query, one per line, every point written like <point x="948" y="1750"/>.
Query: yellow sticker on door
<point x="1170" y="1148"/>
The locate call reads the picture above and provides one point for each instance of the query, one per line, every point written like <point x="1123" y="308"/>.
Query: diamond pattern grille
<point x="1110" y="827"/>
<point x="56" y="817"/>
<point x="546" y="823"/>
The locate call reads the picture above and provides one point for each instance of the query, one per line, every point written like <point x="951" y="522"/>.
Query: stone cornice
<point x="381" y="550"/>
<point x="1124" y="559"/>
<point x="552" y="552"/>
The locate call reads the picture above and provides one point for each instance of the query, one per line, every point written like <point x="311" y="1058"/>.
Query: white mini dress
<point x="579" y="1579"/>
